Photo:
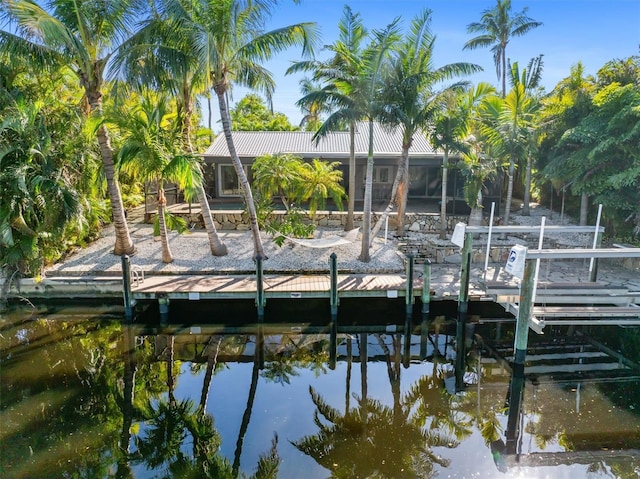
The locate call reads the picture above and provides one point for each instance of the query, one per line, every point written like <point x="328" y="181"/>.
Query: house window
<point x="229" y="182"/>
<point x="381" y="174"/>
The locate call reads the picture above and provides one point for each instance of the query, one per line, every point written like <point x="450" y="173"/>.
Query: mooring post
<point x="333" y="295"/>
<point x="409" y="286"/>
<point x="463" y="309"/>
<point x="524" y="314"/>
<point x="260" y="299"/>
<point x="126" y="287"/>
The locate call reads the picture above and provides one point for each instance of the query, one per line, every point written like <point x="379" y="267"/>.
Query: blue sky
<point x="590" y="31"/>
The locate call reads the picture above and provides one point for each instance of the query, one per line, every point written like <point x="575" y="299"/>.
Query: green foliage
<point x="173" y="222"/>
<point x="49" y="201"/>
<point x="293" y="225"/>
<point x="251" y="114"/>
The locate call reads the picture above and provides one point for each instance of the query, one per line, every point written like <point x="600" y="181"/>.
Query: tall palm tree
<point x="508" y="126"/>
<point x="311" y="120"/>
<point x="83" y="36"/>
<point x="412" y="99"/>
<point x="451" y="129"/>
<point x="529" y="77"/>
<point x="228" y="38"/>
<point x="147" y="152"/>
<point x="356" y="94"/>
<point x="496" y="28"/>
<point x="338" y="74"/>
<point x="154" y="56"/>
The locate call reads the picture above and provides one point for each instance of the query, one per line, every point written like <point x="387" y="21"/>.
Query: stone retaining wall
<point x="237" y="220"/>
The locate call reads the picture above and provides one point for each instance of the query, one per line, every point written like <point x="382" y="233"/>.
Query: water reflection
<point x="95" y="398"/>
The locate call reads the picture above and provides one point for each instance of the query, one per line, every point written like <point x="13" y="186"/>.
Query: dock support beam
<point x="333" y="295"/>
<point x="260" y="298"/>
<point x="129" y="303"/>
<point x="463" y="310"/>
<point x="524" y="314"/>
<point x="409" y="286"/>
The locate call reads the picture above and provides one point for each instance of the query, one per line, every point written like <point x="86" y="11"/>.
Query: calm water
<point x="83" y="395"/>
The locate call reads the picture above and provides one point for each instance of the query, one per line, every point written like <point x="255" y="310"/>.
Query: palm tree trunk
<point x="167" y="257"/>
<point x="584" y="207"/>
<point x="352" y="178"/>
<point x="216" y="246"/>
<point x="507" y="208"/>
<point x="527" y="188"/>
<point x="394" y="200"/>
<point x="366" y="214"/>
<point x="258" y="249"/>
<point x="403" y="192"/>
<point x="123" y="245"/>
<point x="392" y="203"/>
<point x="443" y="196"/>
<point x="212" y="361"/>
<point x="246" y="417"/>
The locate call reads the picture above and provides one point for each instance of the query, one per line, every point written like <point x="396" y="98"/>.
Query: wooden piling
<point x="260" y="297"/>
<point x="524" y="313"/>
<point x="409" y="286"/>
<point x="463" y="310"/>
<point x="333" y="295"/>
<point x="129" y="303"/>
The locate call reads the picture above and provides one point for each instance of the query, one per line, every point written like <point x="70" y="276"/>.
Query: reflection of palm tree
<point x="130" y="366"/>
<point x="349" y="449"/>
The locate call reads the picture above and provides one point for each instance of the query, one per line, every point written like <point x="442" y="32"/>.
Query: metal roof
<point x="250" y="144"/>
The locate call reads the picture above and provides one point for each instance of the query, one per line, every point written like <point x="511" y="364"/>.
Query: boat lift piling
<point x="463" y="309"/>
<point x="409" y="286"/>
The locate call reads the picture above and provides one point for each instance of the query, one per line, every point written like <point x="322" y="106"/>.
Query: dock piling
<point x="524" y="314"/>
<point x="463" y="309"/>
<point x="333" y="274"/>
<point x="129" y="303"/>
<point x="260" y="298"/>
<point x="409" y="286"/>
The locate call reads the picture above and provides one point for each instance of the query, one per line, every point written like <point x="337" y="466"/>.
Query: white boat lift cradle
<point x="536" y="305"/>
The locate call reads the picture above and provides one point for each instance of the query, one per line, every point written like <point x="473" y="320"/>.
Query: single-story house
<point x="425" y="163"/>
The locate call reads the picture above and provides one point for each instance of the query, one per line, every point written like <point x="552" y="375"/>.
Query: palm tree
<point x="319" y="181"/>
<point x="530" y="78"/>
<point x="83" y="36"/>
<point x="355" y="94"/>
<point x="496" y="28"/>
<point x="228" y="38"/>
<point x="153" y="56"/>
<point x="508" y="126"/>
<point x="449" y="127"/>
<point x="412" y="99"/>
<point x="147" y="152"/>
<point x="338" y="75"/>
<point x="277" y="174"/>
<point x="311" y="120"/>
